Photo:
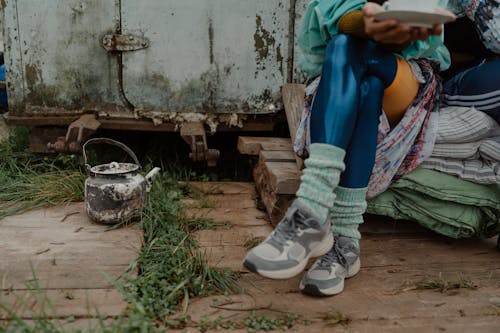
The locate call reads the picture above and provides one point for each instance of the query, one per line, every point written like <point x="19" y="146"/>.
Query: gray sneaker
<point x="285" y="252"/>
<point x="326" y="276"/>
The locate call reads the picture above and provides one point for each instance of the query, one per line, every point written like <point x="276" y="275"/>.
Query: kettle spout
<point x="149" y="178"/>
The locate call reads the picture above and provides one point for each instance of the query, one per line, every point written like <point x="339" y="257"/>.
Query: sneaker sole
<point x="313" y="290"/>
<point x="318" y="251"/>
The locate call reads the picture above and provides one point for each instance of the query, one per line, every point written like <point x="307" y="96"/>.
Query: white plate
<point x="413" y="18"/>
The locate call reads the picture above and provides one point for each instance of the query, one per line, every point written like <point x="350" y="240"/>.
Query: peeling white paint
<point x="178" y="118"/>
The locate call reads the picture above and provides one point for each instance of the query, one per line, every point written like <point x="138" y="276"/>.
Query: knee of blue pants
<point x="340" y="43"/>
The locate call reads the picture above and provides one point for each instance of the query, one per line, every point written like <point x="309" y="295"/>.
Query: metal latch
<point x="121" y="43"/>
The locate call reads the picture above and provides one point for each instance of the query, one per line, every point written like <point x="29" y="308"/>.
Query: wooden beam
<point x="293" y="99"/>
<point x="250" y="145"/>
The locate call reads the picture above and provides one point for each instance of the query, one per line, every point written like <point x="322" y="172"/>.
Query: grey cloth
<point x="464" y="124"/>
<point x="467" y="145"/>
<point x="479" y="171"/>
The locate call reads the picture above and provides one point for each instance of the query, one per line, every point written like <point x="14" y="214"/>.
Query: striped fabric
<point x="468" y="146"/>
<point x="478" y="171"/>
<point x="488" y="101"/>
<point x="464" y="124"/>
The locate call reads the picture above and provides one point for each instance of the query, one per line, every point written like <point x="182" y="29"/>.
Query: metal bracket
<point x="195" y="136"/>
<point x="123" y="43"/>
<point x="78" y="132"/>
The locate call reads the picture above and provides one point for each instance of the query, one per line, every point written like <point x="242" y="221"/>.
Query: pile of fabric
<point x="455" y="192"/>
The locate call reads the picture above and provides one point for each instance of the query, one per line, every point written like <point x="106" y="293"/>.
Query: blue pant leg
<point x="348" y="103"/>
<point x="348" y="61"/>
<point x="478" y="86"/>
<point x="360" y="154"/>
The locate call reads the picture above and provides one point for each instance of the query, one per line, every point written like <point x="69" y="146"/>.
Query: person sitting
<point x="365" y="67"/>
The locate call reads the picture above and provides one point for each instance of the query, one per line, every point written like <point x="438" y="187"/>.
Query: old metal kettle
<point x="115" y="192"/>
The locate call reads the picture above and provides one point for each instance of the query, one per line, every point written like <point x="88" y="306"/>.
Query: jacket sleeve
<point x="319" y="23"/>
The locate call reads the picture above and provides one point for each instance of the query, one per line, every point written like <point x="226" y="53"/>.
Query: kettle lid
<point x="114" y="168"/>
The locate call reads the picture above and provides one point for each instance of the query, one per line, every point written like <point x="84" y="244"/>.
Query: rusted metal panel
<point x="203" y="59"/>
<point x="207" y="56"/>
<point x="12" y="53"/>
<point x="300" y="8"/>
<point x="56" y="57"/>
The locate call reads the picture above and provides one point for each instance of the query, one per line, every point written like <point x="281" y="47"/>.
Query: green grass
<point x="30" y="181"/>
<point x="441" y="284"/>
<point x="170" y="268"/>
<point x="334" y="317"/>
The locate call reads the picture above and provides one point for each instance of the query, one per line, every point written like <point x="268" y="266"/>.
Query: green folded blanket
<point x="443" y="203"/>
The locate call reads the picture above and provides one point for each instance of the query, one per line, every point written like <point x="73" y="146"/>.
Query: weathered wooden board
<point x="293" y="100"/>
<point x="383" y="296"/>
<point x="276" y="156"/>
<point x="62" y="303"/>
<point x="66" y="257"/>
<point x="249" y="145"/>
<point x="284" y="177"/>
<point x="222" y="187"/>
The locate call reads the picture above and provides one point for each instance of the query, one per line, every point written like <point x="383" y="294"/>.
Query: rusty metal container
<point x="115" y="192"/>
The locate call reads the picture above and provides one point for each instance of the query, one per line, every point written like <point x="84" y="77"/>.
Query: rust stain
<point x="279" y="59"/>
<point x="31" y="73"/>
<point x="3" y="4"/>
<point x="211" y="39"/>
<point x="263" y="40"/>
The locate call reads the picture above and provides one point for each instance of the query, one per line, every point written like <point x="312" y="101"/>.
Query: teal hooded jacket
<point x="320" y="23"/>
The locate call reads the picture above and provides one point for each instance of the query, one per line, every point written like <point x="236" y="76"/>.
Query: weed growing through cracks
<point x="442" y="285"/>
<point x="334" y="317"/>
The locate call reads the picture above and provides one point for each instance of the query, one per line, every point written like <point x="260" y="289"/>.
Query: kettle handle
<point x="109" y="142"/>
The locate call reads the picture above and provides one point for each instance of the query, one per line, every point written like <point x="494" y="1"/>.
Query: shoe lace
<point x="287" y="229"/>
<point x="335" y="255"/>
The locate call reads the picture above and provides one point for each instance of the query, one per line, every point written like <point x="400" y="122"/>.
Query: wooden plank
<point x="222" y="187"/>
<point x="284" y="177"/>
<point x="359" y="306"/>
<point x="389" y="280"/>
<point x="250" y="145"/>
<point x="236" y="236"/>
<point x="61" y="303"/>
<point x="275" y="204"/>
<point x="234" y="201"/>
<point x="72" y="324"/>
<point x="63" y="249"/>
<point x="293" y="100"/>
<point x="382" y="297"/>
<point x="245" y="217"/>
<point x="276" y="156"/>
<point x="67" y="274"/>
<point x="454" y="323"/>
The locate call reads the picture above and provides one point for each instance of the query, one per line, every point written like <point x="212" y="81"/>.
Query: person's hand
<point x="392" y="32"/>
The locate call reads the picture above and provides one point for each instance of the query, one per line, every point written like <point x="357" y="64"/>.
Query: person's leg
<point x="326" y="276"/>
<point x="334" y="114"/>
<point x="305" y="231"/>
<point x="478" y="87"/>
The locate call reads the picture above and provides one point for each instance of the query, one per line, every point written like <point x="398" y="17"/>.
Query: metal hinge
<point x="122" y="43"/>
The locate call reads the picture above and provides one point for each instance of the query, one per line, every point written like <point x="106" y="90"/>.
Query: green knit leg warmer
<point x="347" y="212"/>
<point x="320" y="177"/>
